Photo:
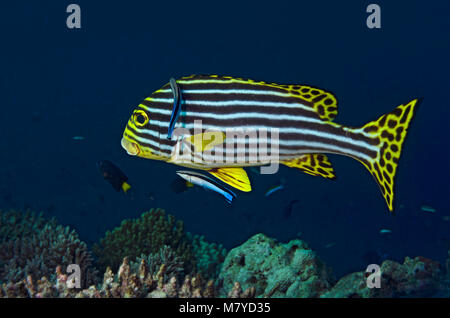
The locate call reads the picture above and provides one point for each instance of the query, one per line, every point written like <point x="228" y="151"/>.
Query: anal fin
<point x="234" y="177"/>
<point x="313" y="164"/>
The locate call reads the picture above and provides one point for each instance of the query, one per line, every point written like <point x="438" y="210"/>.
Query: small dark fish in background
<point x="287" y="212"/>
<point x="445" y="241"/>
<point x="180" y="185"/>
<point x="373" y="257"/>
<point x="274" y="189"/>
<point x="101" y="198"/>
<point x="113" y="175"/>
<point x="7" y="197"/>
<point x="51" y="208"/>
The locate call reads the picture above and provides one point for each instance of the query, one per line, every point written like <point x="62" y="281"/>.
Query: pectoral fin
<point x="207" y="140"/>
<point x="313" y="164"/>
<point x="235" y="177"/>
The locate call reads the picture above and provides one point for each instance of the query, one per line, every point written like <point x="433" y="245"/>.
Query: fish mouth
<point x="131" y="147"/>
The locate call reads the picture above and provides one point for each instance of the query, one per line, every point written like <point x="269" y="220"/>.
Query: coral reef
<point x="293" y="270"/>
<point x="208" y="256"/>
<point x="447" y="266"/>
<point x="418" y="277"/>
<point x="162" y="261"/>
<point x="275" y="270"/>
<point x="32" y="246"/>
<point x="145" y="235"/>
<point x="173" y="264"/>
<point x="126" y="283"/>
<point x="148" y="234"/>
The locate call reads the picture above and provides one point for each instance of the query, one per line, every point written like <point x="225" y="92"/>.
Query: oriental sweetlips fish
<point x="214" y="117"/>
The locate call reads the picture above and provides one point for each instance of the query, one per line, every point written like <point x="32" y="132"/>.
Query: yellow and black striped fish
<point x="302" y="115"/>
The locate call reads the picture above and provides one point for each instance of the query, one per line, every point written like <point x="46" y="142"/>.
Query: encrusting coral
<point x="294" y="270"/>
<point x="32" y="246"/>
<point x="416" y="277"/>
<point x="275" y="270"/>
<point x="149" y="234"/>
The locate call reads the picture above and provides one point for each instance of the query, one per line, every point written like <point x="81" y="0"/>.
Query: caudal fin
<point x="391" y="130"/>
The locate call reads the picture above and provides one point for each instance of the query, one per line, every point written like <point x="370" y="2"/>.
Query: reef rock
<point x="416" y="277"/>
<point x="274" y="270"/>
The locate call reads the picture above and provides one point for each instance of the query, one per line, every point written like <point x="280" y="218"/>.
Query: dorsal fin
<point x="325" y="103"/>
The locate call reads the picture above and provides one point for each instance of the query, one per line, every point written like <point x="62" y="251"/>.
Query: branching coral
<point x="128" y="282"/>
<point x="172" y="262"/>
<point x="208" y="256"/>
<point x="149" y="234"/>
<point x="31" y="245"/>
<point x="145" y="235"/>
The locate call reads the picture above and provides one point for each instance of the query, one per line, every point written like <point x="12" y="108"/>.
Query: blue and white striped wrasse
<point x="206" y="183"/>
<point x="225" y="117"/>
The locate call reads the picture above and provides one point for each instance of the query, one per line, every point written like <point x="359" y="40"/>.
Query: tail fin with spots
<point x="391" y="130"/>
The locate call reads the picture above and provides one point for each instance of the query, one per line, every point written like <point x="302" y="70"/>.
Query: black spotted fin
<point x="324" y="102"/>
<point x="390" y="132"/>
<point x="234" y="177"/>
<point x="313" y="164"/>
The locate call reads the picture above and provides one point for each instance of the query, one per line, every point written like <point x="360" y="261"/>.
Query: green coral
<point x="209" y="256"/>
<point x="149" y="234"/>
<point x="174" y="265"/>
<point x="274" y="269"/>
<point x="32" y="245"/>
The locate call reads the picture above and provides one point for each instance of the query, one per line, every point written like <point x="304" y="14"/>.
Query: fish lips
<point x="131" y="147"/>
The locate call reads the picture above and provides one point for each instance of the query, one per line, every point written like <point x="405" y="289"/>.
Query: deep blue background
<point x="57" y="83"/>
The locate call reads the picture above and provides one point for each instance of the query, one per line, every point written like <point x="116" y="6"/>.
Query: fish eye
<point x="140" y="118"/>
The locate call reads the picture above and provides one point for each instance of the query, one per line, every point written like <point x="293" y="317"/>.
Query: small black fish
<point x="51" y="208"/>
<point x="445" y="241"/>
<point x="113" y="175"/>
<point x="287" y="212"/>
<point x="178" y="185"/>
<point x="371" y="257"/>
<point x="374" y="257"/>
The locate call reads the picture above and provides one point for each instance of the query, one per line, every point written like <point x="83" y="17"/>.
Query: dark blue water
<point x="58" y="83"/>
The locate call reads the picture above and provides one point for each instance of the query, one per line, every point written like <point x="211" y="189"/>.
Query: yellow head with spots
<point x="145" y="134"/>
